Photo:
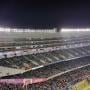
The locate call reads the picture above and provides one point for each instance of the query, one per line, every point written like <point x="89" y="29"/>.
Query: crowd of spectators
<point x="35" y="43"/>
<point x="56" y="68"/>
<point x="62" y="82"/>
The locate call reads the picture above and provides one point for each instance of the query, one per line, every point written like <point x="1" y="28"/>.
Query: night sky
<point x="44" y="14"/>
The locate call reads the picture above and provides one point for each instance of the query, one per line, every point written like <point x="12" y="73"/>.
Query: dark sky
<point x="44" y="14"/>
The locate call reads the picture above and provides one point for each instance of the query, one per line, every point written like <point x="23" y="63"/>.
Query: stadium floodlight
<point x="4" y="29"/>
<point x="1" y="29"/>
<point x="73" y="29"/>
<point x="7" y="29"/>
<point x="26" y="30"/>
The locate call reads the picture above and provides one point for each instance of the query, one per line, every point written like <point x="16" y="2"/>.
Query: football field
<point x="87" y="88"/>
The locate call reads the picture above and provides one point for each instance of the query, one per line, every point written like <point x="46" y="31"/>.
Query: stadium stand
<point x="61" y="58"/>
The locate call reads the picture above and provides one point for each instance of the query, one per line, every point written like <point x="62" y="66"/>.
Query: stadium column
<point x="57" y="29"/>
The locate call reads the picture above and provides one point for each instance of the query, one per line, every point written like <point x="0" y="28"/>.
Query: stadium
<point x="39" y="59"/>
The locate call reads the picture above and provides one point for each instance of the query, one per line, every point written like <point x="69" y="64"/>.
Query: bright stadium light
<point x="4" y="29"/>
<point x="27" y="30"/>
<point x="77" y="29"/>
<point x="1" y="29"/>
<point x="7" y="29"/>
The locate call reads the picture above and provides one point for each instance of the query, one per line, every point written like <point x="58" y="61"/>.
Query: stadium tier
<point x="34" y="61"/>
<point x="65" y="81"/>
